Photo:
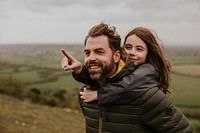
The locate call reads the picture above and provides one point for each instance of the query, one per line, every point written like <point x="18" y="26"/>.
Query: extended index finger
<point x="66" y="54"/>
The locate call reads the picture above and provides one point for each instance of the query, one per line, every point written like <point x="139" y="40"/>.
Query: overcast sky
<point x="68" y="21"/>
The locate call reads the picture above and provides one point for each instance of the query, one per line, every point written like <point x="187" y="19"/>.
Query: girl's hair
<point x="155" y="55"/>
<point x="114" y="38"/>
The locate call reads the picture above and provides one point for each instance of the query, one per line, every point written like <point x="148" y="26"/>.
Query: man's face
<point x="99" y="58"/>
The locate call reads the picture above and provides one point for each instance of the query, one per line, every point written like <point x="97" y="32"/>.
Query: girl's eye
<point x="139" y="49"/>
<point x="128" y="47"/>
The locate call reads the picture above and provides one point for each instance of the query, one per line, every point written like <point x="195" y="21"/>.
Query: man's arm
<point x="70" y="63"/>
<point x="80" y="72"/>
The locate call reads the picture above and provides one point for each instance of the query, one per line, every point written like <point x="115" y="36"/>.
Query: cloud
<point x="69" y="20"/>
<point x="166" y="10"/>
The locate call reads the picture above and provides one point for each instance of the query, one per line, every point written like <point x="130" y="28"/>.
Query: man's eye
<point x="99" y="52"/>
<point x="87" y="54"/>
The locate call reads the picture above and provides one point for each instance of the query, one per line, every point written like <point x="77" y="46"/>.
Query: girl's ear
<point x="117" y="56"/>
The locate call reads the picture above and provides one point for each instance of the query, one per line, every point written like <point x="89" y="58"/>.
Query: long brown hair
<point x="155" y="55"/>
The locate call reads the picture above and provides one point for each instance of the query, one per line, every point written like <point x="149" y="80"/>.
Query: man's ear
<point x="117" y="56"/>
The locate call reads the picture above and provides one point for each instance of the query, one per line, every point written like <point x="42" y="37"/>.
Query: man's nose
<point x="92" y="56"/>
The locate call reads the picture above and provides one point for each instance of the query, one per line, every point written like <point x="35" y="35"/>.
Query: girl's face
<point x="136" y="49"/>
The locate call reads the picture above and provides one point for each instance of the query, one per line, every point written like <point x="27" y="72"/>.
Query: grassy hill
<point x="38" y="66"/>
<point x="23" y="117"/>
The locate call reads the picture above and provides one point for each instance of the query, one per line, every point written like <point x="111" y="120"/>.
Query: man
<point x="103" y="60"/>
<point x="106" y="66"/>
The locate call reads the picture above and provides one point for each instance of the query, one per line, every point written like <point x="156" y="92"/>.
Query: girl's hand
<point x="88" y="95"/>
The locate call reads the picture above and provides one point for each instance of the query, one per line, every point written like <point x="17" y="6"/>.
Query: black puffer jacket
<point x="150" y="113"/>
<point x="132" y="103"/>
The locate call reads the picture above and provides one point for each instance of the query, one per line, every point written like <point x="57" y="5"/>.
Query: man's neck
<point x="101" y="82"/>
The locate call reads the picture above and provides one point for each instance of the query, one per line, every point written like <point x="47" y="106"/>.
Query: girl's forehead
<point x="135" y="40"/>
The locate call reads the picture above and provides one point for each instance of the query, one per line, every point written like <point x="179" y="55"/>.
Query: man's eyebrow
<point x="86" y="50"/>
<point x="97" y="49"/>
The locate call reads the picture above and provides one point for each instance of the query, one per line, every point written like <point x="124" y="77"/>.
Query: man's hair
<point x="114" y="38"/>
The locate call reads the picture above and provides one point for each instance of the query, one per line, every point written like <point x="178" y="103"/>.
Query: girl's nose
<point x="132" y="53"/>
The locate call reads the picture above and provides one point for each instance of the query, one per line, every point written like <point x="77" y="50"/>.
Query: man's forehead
<point x="100" y="42"/>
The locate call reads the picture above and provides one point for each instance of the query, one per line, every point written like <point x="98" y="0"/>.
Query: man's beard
<point x="103" y="72"/>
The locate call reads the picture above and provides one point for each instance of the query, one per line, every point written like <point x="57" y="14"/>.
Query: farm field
<point x="38" y="66"/>
<point x="186" y="90"/>
<point x="188" y="69"/>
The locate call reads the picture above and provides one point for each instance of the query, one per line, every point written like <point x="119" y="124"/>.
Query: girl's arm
<point x="129" y="87"/>
<point x="126" y="90"/>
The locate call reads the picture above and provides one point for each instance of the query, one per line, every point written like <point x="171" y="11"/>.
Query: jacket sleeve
<point x="129" y="87"/>
<point x="83" y="77"/>
<point x="160" y="114"/>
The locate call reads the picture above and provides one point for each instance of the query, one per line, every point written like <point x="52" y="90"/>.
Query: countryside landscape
<point x="37" y="96"/>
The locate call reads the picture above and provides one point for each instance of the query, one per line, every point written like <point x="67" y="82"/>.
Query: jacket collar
<point x="125" y="67"/>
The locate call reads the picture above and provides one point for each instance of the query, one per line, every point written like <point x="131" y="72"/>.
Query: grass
<point x="23" y="117"/>
<point x="186" y="89"/>
<point x="6" y="71"/>
<point x="196" y="123"/>
<point x="188" y="69"/>
<point x="26" y="76"/>
<point x="64" y="82"/>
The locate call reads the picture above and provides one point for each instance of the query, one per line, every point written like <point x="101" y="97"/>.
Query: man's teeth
<point x="93" y="67"/>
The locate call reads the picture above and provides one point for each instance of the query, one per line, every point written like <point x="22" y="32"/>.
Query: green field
<point x="39" y="67"/>
<point x="186" y="90"/>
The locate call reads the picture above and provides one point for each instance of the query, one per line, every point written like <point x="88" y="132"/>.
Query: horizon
<point x="82" y="44"/>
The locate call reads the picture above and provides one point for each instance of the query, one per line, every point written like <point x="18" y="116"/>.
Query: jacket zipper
<point x="100" y="124"/>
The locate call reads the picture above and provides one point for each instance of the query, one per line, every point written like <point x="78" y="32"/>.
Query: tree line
<point x="54" y="98"/>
